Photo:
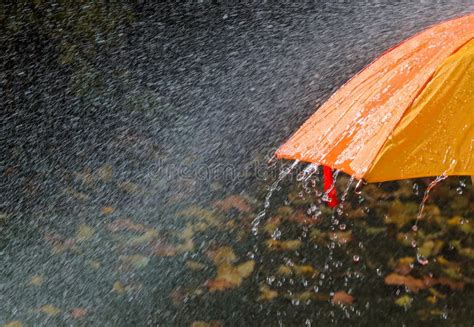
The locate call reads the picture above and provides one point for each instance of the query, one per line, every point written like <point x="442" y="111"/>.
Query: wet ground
<point x="136" y="141"/>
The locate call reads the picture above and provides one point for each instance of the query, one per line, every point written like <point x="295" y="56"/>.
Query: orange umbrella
<point x="408" y="114"/>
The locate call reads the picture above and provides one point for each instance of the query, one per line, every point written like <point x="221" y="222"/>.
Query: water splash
<point x="283" y="173"/>
<point x="420" y="258"/>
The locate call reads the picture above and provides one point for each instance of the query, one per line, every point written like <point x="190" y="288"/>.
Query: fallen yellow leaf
<point x="284" y="270"/>
<point x="105" y="173"/>
<point x="267" y="294"/>
<point x="50" y="310"/>
<point x="306" y="270"/>
<point x="107" y="210"/>
<point x="194" y="265"/>
<point x="404" y="301"/>
<point x="118" y="288"/>
<point x="137" y="260"/>
<point x="284" y="245"/>
<point x="245" y="269"/>
<point x="147" y="237"/>
<point x="13" y="323"/>
<point x="341" y="237"/>
<point x="94" y="264"/>
<point x="36" y="280"/>
<point x="224" y="254"/>
<point x="84" y="233"/>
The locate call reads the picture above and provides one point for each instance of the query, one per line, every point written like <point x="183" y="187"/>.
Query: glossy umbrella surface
<point x="408" y="114"/>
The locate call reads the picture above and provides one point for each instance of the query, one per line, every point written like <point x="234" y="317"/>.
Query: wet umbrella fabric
<point x="408" y="114"/>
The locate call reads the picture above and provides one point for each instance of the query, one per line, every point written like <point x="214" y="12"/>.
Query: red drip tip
<point x="329" y="187"/>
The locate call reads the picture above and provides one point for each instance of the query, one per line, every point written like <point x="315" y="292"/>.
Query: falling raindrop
<point x="356" y="258"/>
<point x="359" y="186"/>
<point x="416" y="189"/>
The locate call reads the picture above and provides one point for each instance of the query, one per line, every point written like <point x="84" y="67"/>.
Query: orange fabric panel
<point x="436" y="134"/>
<point x="349" y="130"/>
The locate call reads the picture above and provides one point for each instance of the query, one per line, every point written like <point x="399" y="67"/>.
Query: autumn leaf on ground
<point x="245" y="269"/>
<point x="78" y="313"/>
<point x="84" y="233"/>
<point x="357" y="213"/>
<point x="105" y="173"/>
<point x="404" y="301"/>
<point x="290" y="245"/>
<point x="401" y="213"/>
<point x="229" y="276"/>
<point x="307" y="296"/>
<point x="342" y="298"/>
<point x="128" y="187"/>
<point x="453" y="284"/>
<point x="136" y="261"/>
<point x="341" y="237"/>
<point x="224" y="254"/>
<point x="59" y="243"/>
<point x="108" y="210"/>
<point x="14" y="323"/>
<point x="435" y="296"/>
<point x="430" y="248"/>
<point x="404" y="265"/>
<point x="200" y="214"/>
<point x="194" y="265"/>
<point x="233" y="201"/>
<point x="162" y="249"/>
<point x="410" y="282"/>
<point x="118" y="288"/>
<point x="271" y="224"/>
<point x="36" y="280"/>
<point x="50" y="310"/>
<point x="121" y="225"/>
<point x="146" y="238"/>
<point x="301" y="270"/>
<point x="81" y="196"/>
<point x="302" y="219"/>
<point x="219" y="285"/>
<point x="178" y="296"/>
<point x="95" y="264"/>
<point x="305" y="270"/>
<point x="284" y="270"/>
<point x="267" y="294"/>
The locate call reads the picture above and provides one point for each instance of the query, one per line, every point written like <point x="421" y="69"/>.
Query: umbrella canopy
<point x="408" y="114"/>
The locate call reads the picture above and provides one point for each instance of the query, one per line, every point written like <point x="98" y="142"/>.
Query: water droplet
<point x="422" y="260"/>
<point x="276" y="234"/>
<point x="358" y="188"/>
<point x="342" y="226"/>
<point x="414" y="228"/>
<point x="413" y="243"/>
<point x="459" y="190"/>
<point x="356" y="258"/>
